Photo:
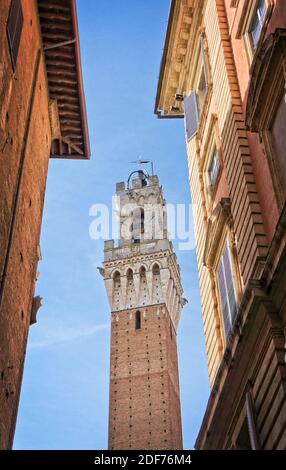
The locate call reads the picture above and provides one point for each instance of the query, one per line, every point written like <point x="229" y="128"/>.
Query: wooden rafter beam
<point x="58" y="21"/>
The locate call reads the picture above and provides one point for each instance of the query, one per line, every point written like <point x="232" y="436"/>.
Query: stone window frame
<point x="278" y="89"/>
<point x="234" y="3"/>
<point x="243" y="30"/>
<point x="267" y="85"/>
<point x="213" y="140"/>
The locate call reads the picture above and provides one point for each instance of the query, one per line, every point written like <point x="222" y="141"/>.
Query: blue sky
<point x="64" y="400"/>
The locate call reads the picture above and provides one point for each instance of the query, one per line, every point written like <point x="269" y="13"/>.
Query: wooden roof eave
<point x="83" y="110"/>
<point x="61" y="46"/>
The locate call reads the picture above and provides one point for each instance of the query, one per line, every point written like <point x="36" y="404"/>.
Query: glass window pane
<point x="258" y="21"/>
<point x="223" y="299"/>
<point x="230" y="284"/>
<point x="214" y="168"/>
<point x="202" y="90"/>
<point x="227" y="290"/>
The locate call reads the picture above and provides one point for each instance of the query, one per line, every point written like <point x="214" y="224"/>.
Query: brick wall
<point x="144" y="383"/>
<point x="23" y="172"/>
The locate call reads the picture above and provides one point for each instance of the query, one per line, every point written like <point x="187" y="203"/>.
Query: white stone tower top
<point x="143" y="270"/>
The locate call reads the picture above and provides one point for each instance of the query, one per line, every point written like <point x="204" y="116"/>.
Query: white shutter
<point x="191" y="115"/>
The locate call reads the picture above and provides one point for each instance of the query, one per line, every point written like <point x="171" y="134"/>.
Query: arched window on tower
<point x="131" y="225"/>
<point x="142" y="218"/>
<point x="138" y="320"/>
<point x="116" y="279"/>
<point x="157" y="290"/>
<point x="129" y="276"/>
<point x="138" y="225"/>
<point x="156" y="270"/>
<point x="116" y="289"/>
<point x="143" y="291"/>
<point x="142" y="271"/>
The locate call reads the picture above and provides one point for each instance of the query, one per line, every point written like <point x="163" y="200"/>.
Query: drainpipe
<point x="251" y="422"/>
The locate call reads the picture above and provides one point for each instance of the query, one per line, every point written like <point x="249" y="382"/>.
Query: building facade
<point x="42" y="115"/>
<point x="143" y="284"/>
<point x="223" y="70"/>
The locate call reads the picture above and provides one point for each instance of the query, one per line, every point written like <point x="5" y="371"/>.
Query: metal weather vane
<point x="144" y="162"/>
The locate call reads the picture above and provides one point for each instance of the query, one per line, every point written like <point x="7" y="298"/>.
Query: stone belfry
<point x="143" y="284"/>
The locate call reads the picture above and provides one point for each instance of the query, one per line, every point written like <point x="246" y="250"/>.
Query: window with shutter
<point x="14" y="29"/>
<point x="194" y="103"/>
<point x="191" y="115"/>
<point x="227" y="290"/>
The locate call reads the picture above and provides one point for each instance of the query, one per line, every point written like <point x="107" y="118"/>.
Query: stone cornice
<point x="138" y="257"/>
<point x="181" y="27"/>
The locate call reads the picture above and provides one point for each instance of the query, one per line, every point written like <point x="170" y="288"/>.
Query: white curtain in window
<point x="227" y="290"/>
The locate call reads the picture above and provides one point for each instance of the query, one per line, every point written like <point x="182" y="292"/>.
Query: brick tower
<point x="143" y="284"/>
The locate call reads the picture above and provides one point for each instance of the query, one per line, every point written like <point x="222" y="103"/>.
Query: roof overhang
<point x="61" y="46"/>
<point x="173" y="63"/>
